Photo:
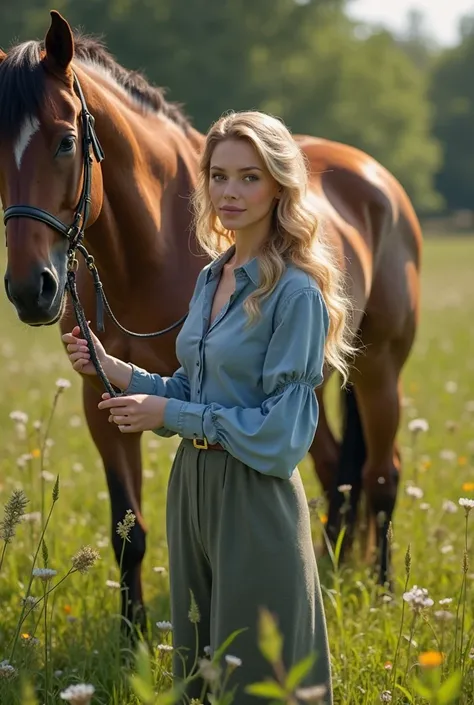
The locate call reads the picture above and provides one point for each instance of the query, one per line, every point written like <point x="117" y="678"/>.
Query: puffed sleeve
<point x="276" y="436"/>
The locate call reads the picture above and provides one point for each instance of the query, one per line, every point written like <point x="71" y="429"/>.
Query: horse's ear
<point x="59" y="43"/>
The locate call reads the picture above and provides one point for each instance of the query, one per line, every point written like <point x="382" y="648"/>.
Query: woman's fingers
<point x="79" y="356"/>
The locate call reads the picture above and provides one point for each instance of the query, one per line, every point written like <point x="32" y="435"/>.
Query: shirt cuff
<point x="142" y="382"/>
<point x="184" y="418"/>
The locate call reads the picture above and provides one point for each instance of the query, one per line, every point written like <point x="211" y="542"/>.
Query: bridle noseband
<point x="75" y="235"/>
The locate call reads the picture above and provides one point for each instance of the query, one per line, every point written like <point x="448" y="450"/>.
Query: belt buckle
<point x="200" y="444"/>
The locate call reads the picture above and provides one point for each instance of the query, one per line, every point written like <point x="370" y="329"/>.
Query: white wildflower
<point x="48" y="476"/>
<point x="63" y="384"/>
<point x="209" y="671"/>
<point x="451" y="387"/>
<point x="448" y="454"/>
<point x="44" y="574"/>
<point x="446" y="549"/>
<point x="80" y="694"/>
<point x="159" y="569"/>
<point x="233" y="661"/>
<point x="113" y="584"/>
<point x="343" y="489"/>
<point x="164" y="647"/>
<point x="443" y="615"/>
<point x="164" y="626"/>
<point x="312" y="694"/>
<point x="7" y="670"/>
<point x="418" y="598"/>
<point x="19" y="416"/>
<point x="446" y="601"/>
<point x="413" y="491"/>
<point x="418" y="426"/>
<point x="468" y="504"/>
<point x="449" y="507"/>
<point x="386" y="696"/>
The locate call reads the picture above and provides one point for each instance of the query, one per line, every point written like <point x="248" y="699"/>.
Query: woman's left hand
<point x="133" y="414"/>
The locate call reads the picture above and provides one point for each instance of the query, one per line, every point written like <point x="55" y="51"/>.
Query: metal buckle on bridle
<point x="72" y="263"/>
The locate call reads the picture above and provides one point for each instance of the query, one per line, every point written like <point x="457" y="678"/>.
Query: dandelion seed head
<point x="417" y="426"/>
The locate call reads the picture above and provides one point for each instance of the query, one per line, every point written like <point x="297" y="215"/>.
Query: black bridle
<point x="75" y="235"/>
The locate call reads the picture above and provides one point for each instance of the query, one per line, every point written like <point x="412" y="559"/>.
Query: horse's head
<point x="41" y="166"/>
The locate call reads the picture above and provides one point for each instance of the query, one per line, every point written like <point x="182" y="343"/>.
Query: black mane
<point x="22" y="83"/>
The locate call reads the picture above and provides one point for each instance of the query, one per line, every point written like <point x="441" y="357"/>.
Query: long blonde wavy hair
<point x="295" y="236"/>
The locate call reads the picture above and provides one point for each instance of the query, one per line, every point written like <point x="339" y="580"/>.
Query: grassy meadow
<point x="377" y="657"/>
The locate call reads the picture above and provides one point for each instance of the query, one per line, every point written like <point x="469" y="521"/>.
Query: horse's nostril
<point x="48" y="286"/>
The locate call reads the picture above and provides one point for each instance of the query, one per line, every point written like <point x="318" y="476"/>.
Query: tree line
<point x="402" y="99"/>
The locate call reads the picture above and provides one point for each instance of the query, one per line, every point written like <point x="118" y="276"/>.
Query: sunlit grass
<point x="83" y="624"/>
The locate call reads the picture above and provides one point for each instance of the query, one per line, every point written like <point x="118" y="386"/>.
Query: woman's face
<point x="241" y="188"/>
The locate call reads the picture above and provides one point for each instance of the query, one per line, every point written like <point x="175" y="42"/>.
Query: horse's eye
<point x="67" y="145"/>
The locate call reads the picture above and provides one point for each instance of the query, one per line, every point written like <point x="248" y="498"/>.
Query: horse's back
<point x="369" y="218"/>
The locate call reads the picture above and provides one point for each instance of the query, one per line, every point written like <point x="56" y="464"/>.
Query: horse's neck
<point x="148" y="172"/>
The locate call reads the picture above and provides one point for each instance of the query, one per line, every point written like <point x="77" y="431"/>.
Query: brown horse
<point x="139" y="230"/>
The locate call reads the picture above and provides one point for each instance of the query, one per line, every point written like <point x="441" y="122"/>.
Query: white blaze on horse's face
<point x="28" y="129"/>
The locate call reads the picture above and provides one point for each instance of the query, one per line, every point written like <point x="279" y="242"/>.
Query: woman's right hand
<point x="79" y="354"/>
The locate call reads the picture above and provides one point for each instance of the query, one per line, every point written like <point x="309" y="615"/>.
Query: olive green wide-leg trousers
<point x="241" y="540"/>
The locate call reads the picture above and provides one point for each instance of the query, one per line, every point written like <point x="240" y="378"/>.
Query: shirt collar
<point x="251" y="268"/>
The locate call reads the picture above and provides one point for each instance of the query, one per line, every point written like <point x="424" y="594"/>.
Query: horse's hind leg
<point x="325" y="449"/>
<point x="343" y="503"/>
<point x="378" y="397"/>
<point x="121" y="455"/>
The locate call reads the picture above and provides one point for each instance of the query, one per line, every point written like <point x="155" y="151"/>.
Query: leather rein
<point x="75" y="235"/>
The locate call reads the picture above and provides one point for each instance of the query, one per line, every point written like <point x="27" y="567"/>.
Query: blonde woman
<point x="265" y="316"/>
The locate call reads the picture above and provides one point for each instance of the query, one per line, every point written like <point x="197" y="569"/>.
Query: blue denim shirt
<point x="249" y="388"/>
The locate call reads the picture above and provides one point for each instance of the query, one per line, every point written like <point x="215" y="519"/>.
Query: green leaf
<point x="270" y="641"/>
<point x="338" y="548"/>
<point x="222" y="648"/>
<point x="142" y="690"/>
<point x="170" y="697"/>
<point x="405" y="692"/>
<point x="266" y="689"/>
<point x="422" y="689"/>
<point x="298" y="672"/>
<point x="450" y="689"/>
<point x="142" y="681"/>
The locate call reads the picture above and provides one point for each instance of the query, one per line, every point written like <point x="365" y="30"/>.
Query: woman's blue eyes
<point x="221" y="177"/>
